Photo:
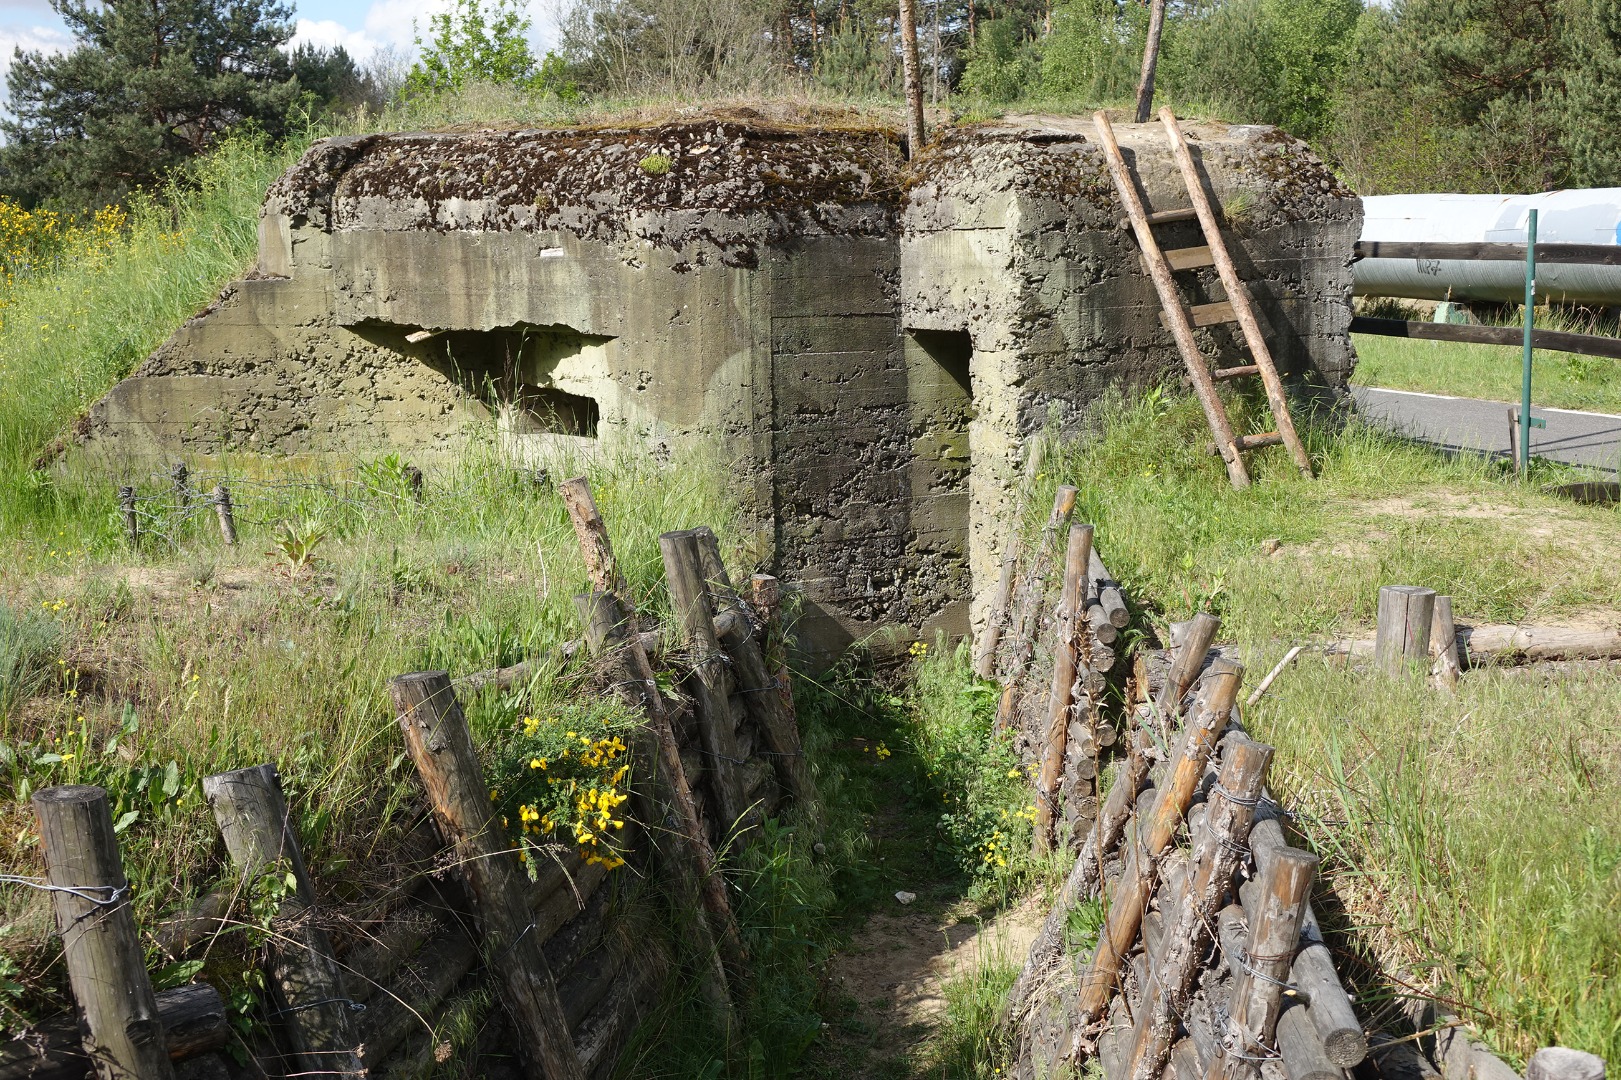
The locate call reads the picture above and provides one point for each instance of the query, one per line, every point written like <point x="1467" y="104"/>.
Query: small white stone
<point x="1563" y="1063"/>
<point x="907" y="897"/>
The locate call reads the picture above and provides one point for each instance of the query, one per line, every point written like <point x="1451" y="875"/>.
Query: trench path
<point x="884" y="990"/>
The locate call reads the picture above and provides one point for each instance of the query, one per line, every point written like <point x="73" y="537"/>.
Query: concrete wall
<point x="872" y="342"/>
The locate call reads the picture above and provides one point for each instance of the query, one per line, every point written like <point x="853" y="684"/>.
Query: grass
<point x="1472" y="841"/>
<point x="1559" y="380"/>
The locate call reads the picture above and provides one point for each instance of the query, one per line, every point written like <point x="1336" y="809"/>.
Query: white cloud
<point x="329" y="33"/>
<point x="14" y="36"/>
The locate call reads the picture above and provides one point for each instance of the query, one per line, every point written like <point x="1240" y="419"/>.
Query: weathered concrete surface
<point x="872" y="341"/>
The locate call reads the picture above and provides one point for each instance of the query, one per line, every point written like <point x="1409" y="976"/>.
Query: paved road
<point x="1577" y="438"/>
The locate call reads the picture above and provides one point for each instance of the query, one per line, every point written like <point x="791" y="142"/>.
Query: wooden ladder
<point x="1180" y="318"/>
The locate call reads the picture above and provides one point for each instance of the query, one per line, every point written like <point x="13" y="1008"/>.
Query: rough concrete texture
<point x="873" y="341"/>
<point x="1563" y="1063"/>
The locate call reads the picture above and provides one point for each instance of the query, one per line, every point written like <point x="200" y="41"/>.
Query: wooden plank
<point x="985" y="648"/>
<point x="1580" y="254"/>
<point x="1208" y="314"/>
<point x="193" y="1019"/>
<point x="1556" y="340"/>
<point x="1237" y="294"/>
<point x="1190" y="258"/>
<point x="123" y="1034"/>
<point x="1161" y="217"/>
<point x="1236" y="372"/>
<point x="1171" y="301"/>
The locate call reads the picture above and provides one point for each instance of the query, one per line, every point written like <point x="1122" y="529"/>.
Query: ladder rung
<point x="1163" y="217"/>
<point x="1236" y="372"/>
<point x="1189" y="258"/>
<point x="1209" y="314"/>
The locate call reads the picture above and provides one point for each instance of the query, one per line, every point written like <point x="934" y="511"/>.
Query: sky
<point x="361" y="26"/>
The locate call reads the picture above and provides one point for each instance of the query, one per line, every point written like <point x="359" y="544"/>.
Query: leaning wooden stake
<point x="985" y="648"/>
<point x="1274" y="907"/>
<point x="600" y="565"/>
<point x="1071" y="613"/>
<point x="1406" y="613"/>
<point x="1131" y="892"/>
<point x="123" y="1035"/>
<point x="766" y="592"/>
<point x="607" y="635"/>
<point x="438" y="740"/>
<point x="1084" y="876"/>
<point x="1217" y="851"/>
<point x="226" y="514"/>
<point x="757" y="681"/>
<point x="1188" y="660"/>
<point x="305" y="981"/>
<point x="1145" y="83"/>
<point x="683" y="567"/>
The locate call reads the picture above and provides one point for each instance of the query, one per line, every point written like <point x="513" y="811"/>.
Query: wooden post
<point x="1190" y="656"/>
<point x="607" y="635"/>
<point x="757" y="682"/>
<point x="1274" y="907"/>
<point x="224" y="511"/>
<point x="1304" y="1057"/>
<point x="305" y="981"/>
<point x="132" y="523"/>
<point x="1131" y="892"/>
<point x="1028" y="617"/>
<point x="985" y="648"/>
<point x="414" y="479"/>
<point x="1084" y="876"/>
<point x="683" y="567"/>
<point x="912" y="76"/>
<point x="180" y="476"/>
<point x="123" y="1034"/>
<point x="600" y="565"/>
<point x="1444" y="643"/>
<point x="767" y="595"/>
<point x="1406" y="613"/>
<point x="1313" y="973"/>
<point x="1145" y="84"/>
<point x="437" y="738"/>
<point x="1071" y="613"/>
<point x="1218" y="848"/>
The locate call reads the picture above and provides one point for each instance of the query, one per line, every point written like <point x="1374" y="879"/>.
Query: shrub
<point x="28" y="644"/>
<point x="1001" y="63"/>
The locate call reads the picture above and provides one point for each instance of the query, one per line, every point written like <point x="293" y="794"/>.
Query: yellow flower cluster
<point x="919" y="649"/>
<point x="996" y="849"/>
<point x="36" y="241"/>
<point x="1028" y="813"/>
<point x="596" y="807"/>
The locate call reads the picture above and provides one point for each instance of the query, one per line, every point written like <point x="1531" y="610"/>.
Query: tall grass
<point x="1473" y="841"/>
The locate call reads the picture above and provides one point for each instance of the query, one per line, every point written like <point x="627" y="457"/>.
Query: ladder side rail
<point x="1237" y="294"/>
<point x="1171" y="301"/>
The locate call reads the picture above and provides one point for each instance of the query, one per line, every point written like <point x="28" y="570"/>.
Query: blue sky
<point x="361" y="26"/>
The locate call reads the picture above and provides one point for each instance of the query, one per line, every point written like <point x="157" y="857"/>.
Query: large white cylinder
<point x="1590" y="216"/>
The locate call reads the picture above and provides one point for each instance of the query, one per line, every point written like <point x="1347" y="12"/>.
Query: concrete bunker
<point x="872" y="341"/>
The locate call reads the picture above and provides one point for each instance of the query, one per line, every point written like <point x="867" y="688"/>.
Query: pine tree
<point x="151" y="84"/>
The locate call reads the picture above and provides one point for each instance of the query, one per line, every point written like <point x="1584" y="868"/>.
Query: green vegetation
<point x="470" y="44"/>
<point x="1471" y="841"/>
<point x="1559" y="380"/>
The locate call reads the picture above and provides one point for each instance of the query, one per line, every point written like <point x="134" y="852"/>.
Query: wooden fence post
<point x="437" y="738"/>
<point x="607" y="634"/>
<point x="1190" y="655"/>
<point x="758" y="683"/>
<point x="123" y="1034"/>
<point x="1403" y="637"/>
<point x="180" y="476"/>
<point x="225" y="512"/>
<point x="1444" y="643"/>
<point x="600" y="565"/>
<point x="306" y="983"/>
<point x="414" y="479"/>
<point x="683" y="567"/>
<point x="1132" y="890"/>
<point x="985" y="648"/>
<point x="1071" y="617"/>
<point x="1186" y="914"/>
<point x="1274" y="906"/>
<point x="132" y="522"/>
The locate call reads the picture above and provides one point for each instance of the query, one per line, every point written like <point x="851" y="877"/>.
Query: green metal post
<point x="1530" y="308"/>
